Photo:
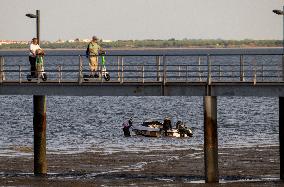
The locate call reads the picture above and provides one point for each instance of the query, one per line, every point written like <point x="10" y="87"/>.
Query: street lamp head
<point x="31" y="15"/>
<point x="278" y="12"/>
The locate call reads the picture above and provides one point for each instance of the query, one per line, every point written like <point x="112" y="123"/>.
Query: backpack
<point x="88" y="51"/>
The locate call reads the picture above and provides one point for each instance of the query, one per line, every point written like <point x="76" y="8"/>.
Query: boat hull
<point x="158" y="132"/>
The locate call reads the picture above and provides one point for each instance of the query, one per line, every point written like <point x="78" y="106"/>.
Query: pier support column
<point x="281" y="136"/>
<point x="210" y="139"/>
<point x="39" y="126"/>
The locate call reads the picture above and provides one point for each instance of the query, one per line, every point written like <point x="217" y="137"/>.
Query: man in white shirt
<point x="32" y="56"/>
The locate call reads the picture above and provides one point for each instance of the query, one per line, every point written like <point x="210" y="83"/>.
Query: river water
<point x="79" y="124"/>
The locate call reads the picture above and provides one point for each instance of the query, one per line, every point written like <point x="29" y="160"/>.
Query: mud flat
<point x="253" y="166"/>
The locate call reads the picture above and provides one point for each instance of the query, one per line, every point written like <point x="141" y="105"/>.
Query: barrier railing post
<point x="122" y="71"/>
<point x="254" y="73"/>
<point x="80" y="76"/>
<point x="158" y="63"/>
<point x="61" y="68"/>
<point x="209" y="70"/>
<point x="232" y="70"/>
<point x="186" y="67"/>
<point x="143" y="74"/>
<point x="179" y="71"/>
<point x="220" y="73"/>
<point x="38" y="75"/>
<point x="164" y="70"/>
<point x="118" y="68"/>
<point x="2" y="75"/>
<point x="262" y="69"/>
<point x="199" y="63"/>
<point x="20" y="74"/>
<point x="241" y="68"/>
<point x="101" y="72"/>
<point x="59" y="74"/>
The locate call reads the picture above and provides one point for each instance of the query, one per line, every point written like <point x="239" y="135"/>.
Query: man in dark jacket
<point x="126" y="126"/>
<point x="167" y="125"/>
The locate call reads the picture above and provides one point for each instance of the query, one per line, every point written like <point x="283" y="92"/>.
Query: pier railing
<point x="151" y="68"/>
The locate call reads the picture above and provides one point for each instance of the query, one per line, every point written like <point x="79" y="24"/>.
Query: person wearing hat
<point x="93" y="50"/>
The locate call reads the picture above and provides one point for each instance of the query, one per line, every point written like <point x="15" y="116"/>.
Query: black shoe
<point x="96" y="75"/>
<point x="29" y="77"/>
<point x="86" y="77"/>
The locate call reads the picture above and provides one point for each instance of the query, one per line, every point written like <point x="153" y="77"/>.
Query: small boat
<point x="154" y="128"/>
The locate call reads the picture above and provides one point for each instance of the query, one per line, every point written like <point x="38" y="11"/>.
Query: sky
<point x="142" y="19"/>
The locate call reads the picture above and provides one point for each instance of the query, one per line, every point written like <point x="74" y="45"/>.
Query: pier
<point x="163" y="75"/>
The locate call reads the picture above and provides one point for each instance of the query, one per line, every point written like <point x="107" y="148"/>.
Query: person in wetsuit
<point x="167" y="125"/>
<point x="181" y="128"/>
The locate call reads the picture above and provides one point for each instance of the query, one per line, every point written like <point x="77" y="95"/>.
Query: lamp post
<point x="281" y="13"/>
<point x="39" y="119"/>
<point x="281" y="109"/>
<point x="37" y="16"/>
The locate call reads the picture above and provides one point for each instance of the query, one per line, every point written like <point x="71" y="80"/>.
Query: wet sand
<point x="254" y="166"/>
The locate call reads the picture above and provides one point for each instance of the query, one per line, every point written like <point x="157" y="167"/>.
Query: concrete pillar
<point x="281" y="136"/>
<point x="210" y="139"/>
<point x="39" y="126"/>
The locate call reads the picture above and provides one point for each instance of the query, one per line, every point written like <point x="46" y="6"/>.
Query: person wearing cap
<point x="93" y="50"/>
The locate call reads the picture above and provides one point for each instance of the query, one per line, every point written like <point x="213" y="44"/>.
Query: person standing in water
<point x="126" y="126"/>
<point x="167" y="125"/>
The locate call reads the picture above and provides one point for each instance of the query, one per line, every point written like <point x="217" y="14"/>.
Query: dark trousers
<point x="126" y="131"/>
<point x="33" y="65"/>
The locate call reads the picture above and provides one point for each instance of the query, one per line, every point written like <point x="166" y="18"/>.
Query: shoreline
<point x="27" y="151"/>
<point x="256" y="166"/>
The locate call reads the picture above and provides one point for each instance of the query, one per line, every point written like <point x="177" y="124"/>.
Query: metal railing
<point x="151" y="68"/>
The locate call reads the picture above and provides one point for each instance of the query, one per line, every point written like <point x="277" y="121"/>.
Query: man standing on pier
<point x="93" y="51"/>
<point x="32" y="56"/>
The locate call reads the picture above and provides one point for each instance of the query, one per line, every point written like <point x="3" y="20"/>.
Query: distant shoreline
<point x="146" y="48"/>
